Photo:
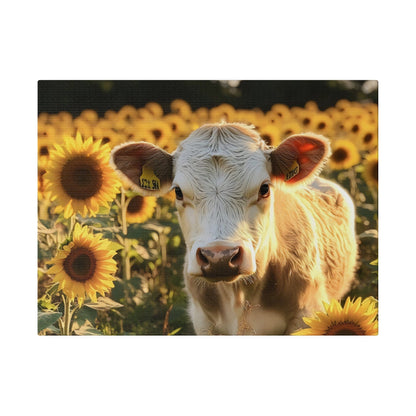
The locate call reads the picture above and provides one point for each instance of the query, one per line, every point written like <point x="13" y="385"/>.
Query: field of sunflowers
<point x="110" y="261"/>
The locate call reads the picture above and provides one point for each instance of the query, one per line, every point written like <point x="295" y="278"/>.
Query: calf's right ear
<point x="299" y="158"/>
<point x="144" y="166"/>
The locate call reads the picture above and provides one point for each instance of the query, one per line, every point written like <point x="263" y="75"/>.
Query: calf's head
<point x="224" y="177"/>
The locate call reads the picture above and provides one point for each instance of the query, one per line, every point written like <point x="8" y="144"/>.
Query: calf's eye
<point x="264" y="191"/>
<point x="179" y="194"/>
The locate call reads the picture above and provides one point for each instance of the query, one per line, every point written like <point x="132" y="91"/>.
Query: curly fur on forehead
<point x="214" y="139"/>
<point x="221" y="157"/>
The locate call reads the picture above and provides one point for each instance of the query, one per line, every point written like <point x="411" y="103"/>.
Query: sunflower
<point x="177" y="124"/>
<point x="158" y="132"/>
<point x="140" y="208"/>
<point x="282" y="111"/>
<point x="367" y="139"/>
<point x="344" y="155"/>
<point x="312" y="106"/>
<point x="222" y="112"/>
<point x="144" y="114"/>
<point x="83" y="126"/>
<point x="84" y="266"/>
<point x="46" y="131"/>
<point x="289" y="128"/>
<point x="80" y="178"/>
<point x="342" y="105"/>
<point x="155" y="108"/>
<point x="90" y="116"/>
<point x="305" y="117"/>
<point x="355" y="318"/>
<point x="270" y="133"/>
<point x="322" y="123"/>
<point x="181" y="107"/>
<point x="107" y="135"/>
<point x="371" y="169"/>
<point x="202" y="115"/>
<point x="42" y="193"/>
<point x="45" y="146"/>
<point x="127" y="113"/>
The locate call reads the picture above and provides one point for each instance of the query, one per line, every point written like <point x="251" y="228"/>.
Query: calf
<point x="266" y="239"/>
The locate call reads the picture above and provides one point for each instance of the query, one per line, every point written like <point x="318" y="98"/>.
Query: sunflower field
<point x="110" y="261"/>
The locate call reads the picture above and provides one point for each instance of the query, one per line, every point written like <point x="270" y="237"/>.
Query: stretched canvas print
<point x="207" y="208"/>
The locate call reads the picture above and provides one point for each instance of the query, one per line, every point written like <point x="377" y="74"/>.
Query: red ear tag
<point x="293" y="171"/>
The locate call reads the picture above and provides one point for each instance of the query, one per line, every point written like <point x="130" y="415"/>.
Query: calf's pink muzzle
<point x="220" y="263"/>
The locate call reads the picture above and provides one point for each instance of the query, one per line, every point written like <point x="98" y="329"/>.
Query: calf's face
<point x="223" y="194"/>
<point x="224" y="178"/>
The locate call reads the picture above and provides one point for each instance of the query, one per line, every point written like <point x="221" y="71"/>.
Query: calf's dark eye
<point x="179" y="194"/>
<point x="264" y="191"/>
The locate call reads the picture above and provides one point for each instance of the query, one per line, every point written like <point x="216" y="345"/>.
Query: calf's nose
<point x="220" y="263"/>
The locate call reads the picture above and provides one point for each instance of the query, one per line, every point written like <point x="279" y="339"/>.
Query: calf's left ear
<point x="299" y="158"/>
<point x="144" y="166"/>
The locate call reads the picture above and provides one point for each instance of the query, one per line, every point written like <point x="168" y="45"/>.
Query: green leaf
<point x="175" y="331"/>
<point x="46" y="319"/>
<point x="53" y="289"/>
<point x="85" y="314"/>
<point x="115" y="246"/>
<point x="87" y="329"/>
<point x="103" y="304"/>
<point x="136" y="231"/>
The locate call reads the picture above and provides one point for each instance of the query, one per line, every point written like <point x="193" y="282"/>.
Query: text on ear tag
<point x="293" y="171"/>
<point x="148" y="179"/>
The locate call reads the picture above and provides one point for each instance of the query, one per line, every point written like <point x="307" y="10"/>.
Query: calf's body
<point x="267" y="239"/>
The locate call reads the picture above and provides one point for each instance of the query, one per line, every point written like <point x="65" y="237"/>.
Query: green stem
<point x="124" y="202"/>
<point x="163" y="285"/>
<point x="353" y="183"/>
<point x="67" y="316"/>
<point x="72" y="222"/>
<point x="123" y="211"/>
<point x="127" y="266"/>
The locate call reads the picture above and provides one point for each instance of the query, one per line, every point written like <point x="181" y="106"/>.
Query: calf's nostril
<point x="236" y="258"/>
<point x="201" y="259"/>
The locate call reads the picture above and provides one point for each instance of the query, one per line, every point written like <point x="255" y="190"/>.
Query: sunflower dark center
<point x="44" y="151"/>
<point x="81" y="177"/>
<point x="345" y="328"/>
<point x="135" y="204"/>
<point x="80" y="264"/>
<point x="367" y="138"/>
<point x="157" y="133"/>
<point x="339" y="155"/>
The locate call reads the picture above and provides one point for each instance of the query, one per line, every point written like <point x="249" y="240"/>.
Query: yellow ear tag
<point x="293" y="171"/>
<point x="148" y="179"/>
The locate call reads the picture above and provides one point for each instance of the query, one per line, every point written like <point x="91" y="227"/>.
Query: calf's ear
<point x="144" y="166"/>
<point x="299" y="158"/>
